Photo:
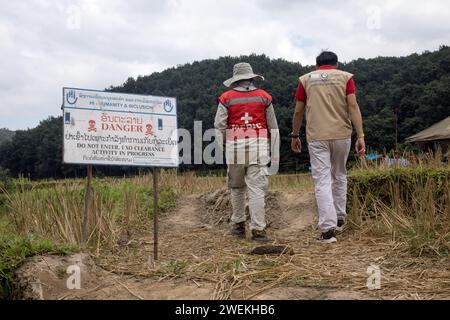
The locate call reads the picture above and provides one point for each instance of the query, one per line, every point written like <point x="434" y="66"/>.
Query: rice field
<point x="398" y="217"/>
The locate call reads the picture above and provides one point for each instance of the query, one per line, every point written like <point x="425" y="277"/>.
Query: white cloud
<point x="48" y="44"/>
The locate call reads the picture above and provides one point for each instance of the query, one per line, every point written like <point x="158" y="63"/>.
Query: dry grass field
<point x="399" y="222"/>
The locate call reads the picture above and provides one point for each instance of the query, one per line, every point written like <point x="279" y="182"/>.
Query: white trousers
<point x="247" y="161"/>
<point x="328" y="165"/>
<point x="256" y="184"/>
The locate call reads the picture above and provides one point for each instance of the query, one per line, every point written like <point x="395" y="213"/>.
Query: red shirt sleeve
<point x="351" y="89"/>
<point x="300" y="95"/>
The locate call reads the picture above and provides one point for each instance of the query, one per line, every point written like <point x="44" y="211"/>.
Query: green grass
<point x="14" y="249"/>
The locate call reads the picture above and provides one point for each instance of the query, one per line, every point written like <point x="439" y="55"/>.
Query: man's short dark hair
<point x="326" y="58"/>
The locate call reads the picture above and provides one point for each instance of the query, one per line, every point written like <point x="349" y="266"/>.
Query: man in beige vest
<point x="329" y="97"/>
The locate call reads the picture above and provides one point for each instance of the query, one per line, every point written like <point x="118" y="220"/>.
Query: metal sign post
<point x="87" y="205"/>
<point x="155" y="214"/>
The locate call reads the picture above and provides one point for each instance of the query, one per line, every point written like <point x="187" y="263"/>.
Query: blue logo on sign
<point x="71" y="97"/>
<point x="67" y="118"/>
<point x="168" y="106"/>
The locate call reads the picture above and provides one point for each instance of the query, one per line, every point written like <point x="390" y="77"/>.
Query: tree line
<point x="398" y="96"/>
<point x="5" y="135"/>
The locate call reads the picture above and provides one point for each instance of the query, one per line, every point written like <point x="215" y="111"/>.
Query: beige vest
<point x="327" y="114"/>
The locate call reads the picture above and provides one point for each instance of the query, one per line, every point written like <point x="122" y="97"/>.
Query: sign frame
<point x="137" y="165"/>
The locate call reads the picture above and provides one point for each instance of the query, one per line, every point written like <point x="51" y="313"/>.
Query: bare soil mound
<point x="283" y="211"/>
<point x="46" y="277"/>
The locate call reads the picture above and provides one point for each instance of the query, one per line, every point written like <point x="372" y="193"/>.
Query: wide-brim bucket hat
<point x="242" y="71"/>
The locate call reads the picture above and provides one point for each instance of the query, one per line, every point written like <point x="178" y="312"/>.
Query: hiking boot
<point x="328" y="237"/>
<point x="340" y="225"/>
<point x="259" y="235"/>
<point x="238" y="230"/>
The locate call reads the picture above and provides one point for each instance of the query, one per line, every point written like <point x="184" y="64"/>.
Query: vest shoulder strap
<point x="233" y="95"/>
<point x="316" y="73"/>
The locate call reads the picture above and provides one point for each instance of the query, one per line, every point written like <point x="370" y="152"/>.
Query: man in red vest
<point x="246" y="120"/>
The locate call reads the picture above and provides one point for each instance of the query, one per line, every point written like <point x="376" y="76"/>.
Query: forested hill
<point x="416" y="88"/>
<point x="5" y="135"/>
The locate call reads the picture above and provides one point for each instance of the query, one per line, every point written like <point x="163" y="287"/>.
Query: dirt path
<point x="200" y="260"/>
<point x="187" y="215"/>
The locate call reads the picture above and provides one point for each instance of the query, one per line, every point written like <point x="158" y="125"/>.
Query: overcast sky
<point x="48" y="44"/>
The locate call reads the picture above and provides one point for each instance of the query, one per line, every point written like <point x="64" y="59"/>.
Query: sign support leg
<point x="155" y="214"/>
<point x="87" y="204"/>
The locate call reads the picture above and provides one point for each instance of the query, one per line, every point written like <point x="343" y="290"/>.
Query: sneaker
<point x="259" y="235"/>
<point x="328" y="237"/>
<point x="340" y="225"/>
<point x="238" y="230"/>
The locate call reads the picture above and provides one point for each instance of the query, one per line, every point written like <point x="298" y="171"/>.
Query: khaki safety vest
<point x="327" y="113"/>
